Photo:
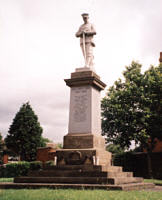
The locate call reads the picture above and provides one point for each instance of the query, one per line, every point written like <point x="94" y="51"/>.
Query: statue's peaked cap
<point x="85" y="14"/>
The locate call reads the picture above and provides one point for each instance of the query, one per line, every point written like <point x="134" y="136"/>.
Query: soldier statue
<point x="86" y="33"/>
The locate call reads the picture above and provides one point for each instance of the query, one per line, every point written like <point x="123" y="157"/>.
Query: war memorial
<point x="83" y="162"/>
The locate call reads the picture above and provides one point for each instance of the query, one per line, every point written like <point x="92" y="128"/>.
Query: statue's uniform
<point x="89" y="44"/>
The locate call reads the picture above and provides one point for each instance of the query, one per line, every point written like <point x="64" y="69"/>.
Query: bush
<point x="49" y="163"/>
<point x="35" y="165"/>
<point x="1" y="162"/>
<point x="19" y="168"/>
<point x="1" y="170"/>
<point x="16" y="169"/>
<point x="124" y="159"/>
<point x="138" y="163"/>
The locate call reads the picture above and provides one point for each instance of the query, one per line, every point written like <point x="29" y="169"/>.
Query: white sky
<point x="38" y="50"/>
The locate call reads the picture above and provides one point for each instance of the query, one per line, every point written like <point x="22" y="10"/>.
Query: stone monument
<point x="83" y="162"/>
<point x="84" y="130"/>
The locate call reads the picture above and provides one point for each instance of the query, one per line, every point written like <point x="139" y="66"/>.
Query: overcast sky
<point x="38" y="50"/>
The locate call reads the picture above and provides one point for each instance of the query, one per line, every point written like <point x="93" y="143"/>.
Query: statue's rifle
<point x="84" y="49"/>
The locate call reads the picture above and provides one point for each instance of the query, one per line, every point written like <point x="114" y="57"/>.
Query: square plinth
<point x="83" y="141"/>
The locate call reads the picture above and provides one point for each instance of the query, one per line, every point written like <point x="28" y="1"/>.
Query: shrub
<point x="35" y="165"/>
<point x="1" y="170"/>
<point x="16" y="169"/>
<point x="126" y="160"/>
<point x="49" y="163"/>
<point x="19" y="168"/>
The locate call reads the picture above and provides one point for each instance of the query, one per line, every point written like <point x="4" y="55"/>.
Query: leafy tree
<point x="44" y="141"/>
<point x="24" y="135"/>
<point x="132" y="108"/>
<point x="59" y="146"/>
<point x="137" y="149"/>
<point x="114" y="148"/>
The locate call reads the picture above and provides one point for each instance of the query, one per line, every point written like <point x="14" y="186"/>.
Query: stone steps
<point x="119" y="174"/>
<point x="78" y="173"/>
<point x="125" y="180"/>
<point x="79" y="180"/>
<point x="85" y="168"/>
<point x="112" y="168"/>
<point x="74" y="167"/>
<point x="125" y="187"/>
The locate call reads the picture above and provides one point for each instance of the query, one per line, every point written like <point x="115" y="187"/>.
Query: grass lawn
<point x="69" y="194"/>
<point x="6" y="179"/>
<point x="158" y="182"/>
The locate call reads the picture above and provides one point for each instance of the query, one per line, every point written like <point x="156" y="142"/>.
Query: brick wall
<point x="158" y="146"/>
<point x="5" y="159"/>
<point x="45" y="154"/>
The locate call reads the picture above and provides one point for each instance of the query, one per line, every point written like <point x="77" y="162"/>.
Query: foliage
<point x="64" y="194"/>
<point x="114" y="148"/>
<point x="49" y="163"/>
<point x="155" y="181"/>
<point x="6" y="180"/>
<point x="59" y="146"/>
<point x="138" y="163"/>
<point x="19" y="168"/>
<point x="15" y="169"/>
<point x="132" y="108"/>
<point x="138" y="149"/>
<point x="24" y="135"/>
<point x="126" y="160"/>
<point x="44" y="141"/>
<point x="35" y="165"/>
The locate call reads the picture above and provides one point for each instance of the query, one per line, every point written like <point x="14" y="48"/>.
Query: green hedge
<point x="49" y="163"/>
<point x="138" y="163"/>
<point x="35" y="165"/>
<point x="125" y="160"/>
<point x="19" y="168"/>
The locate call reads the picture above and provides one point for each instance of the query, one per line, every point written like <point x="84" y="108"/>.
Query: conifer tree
<point x="24" y="135"/>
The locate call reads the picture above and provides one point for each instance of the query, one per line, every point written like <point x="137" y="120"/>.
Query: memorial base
<point x="82" y="168"/>
<point x="83" y="141"/>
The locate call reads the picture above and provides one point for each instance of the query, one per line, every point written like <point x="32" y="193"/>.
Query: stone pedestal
<point x="84" y="144"/>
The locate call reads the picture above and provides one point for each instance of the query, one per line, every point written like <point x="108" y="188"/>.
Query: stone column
<point x="84" y="130"/>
